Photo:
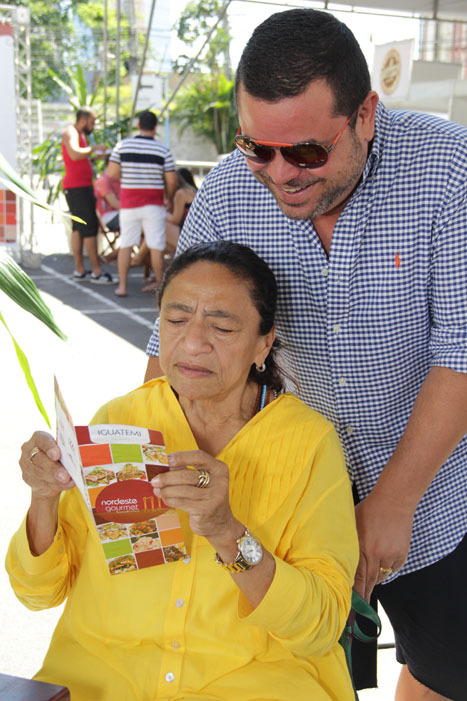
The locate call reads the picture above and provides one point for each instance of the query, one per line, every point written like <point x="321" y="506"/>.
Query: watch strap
<point x="239" y="564"/>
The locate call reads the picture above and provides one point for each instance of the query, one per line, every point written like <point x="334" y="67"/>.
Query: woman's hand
<point x="208" y="508"/>
<point x="43" y="472"/>
<point x="210" y="514"/>
<point x="47" y="478"/>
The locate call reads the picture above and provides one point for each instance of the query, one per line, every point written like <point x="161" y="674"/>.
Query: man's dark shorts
<point x="428" y="611"/>
<point x="82" y="203"/>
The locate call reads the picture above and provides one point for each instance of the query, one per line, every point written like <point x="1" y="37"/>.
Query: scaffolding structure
<point x="18" y="18"/>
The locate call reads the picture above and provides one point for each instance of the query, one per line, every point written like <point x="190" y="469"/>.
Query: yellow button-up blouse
<point x="183" y="630"/>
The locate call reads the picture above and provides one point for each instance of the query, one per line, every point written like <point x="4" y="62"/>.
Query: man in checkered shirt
<point x="362" y="214"/>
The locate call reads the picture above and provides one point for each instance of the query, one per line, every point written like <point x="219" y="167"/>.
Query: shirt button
<point x="175" y="644"/>
<point x="179" y="603"/>
<point x="349" y="429"/>
<point x="324" y="271"/>
<point x="186" y="559"/>
<point x="337" y="328"/>
<point x="342" y="381"/>
<point x="169" y="677"/>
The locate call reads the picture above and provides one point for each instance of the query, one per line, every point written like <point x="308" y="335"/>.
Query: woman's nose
<point x="195" y="338"/>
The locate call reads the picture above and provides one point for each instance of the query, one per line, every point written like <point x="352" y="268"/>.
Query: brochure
<point x="112" y="466"/>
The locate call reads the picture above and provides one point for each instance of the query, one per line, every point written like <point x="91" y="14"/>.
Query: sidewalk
<point x="103" y="357"/>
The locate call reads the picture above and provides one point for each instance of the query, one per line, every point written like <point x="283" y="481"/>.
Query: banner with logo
<point x="392" y="69"/>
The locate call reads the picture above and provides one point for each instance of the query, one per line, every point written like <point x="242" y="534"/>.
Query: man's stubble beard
<point x="332" y="194"/>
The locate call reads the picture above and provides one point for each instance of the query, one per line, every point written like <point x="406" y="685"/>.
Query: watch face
<point x="251" y="550"/>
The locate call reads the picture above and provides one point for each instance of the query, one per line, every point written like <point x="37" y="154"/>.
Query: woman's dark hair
<point x="244" y="264"/>
<point x="185" y="177"/>
<point x="291" y="49"/>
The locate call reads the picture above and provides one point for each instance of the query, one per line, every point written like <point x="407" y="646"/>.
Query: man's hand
<point x="384" y="530"/>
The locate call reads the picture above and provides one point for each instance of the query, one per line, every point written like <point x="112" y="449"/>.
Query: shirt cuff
<point x="38" y="564"/>
<point x="274" y="606"/>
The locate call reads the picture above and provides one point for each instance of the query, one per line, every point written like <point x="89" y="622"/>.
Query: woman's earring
<point x="261" y="368"/>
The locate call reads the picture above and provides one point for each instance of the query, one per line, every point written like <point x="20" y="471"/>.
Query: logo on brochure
<point x="128" y="502"/>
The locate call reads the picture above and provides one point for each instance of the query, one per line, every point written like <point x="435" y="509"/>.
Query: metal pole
<point x="117" y="66"/>
<point x="104" y="62"/>
<point x="143" y="60"/>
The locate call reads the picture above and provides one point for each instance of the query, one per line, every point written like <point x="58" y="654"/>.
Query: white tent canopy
<point x="453" y="10"/>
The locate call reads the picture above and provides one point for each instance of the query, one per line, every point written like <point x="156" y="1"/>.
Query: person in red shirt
<point x="107" y="192"/>
<point x="79" y="194"/>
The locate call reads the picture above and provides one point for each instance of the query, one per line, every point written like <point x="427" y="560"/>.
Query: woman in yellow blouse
<point x="255" y="610"/>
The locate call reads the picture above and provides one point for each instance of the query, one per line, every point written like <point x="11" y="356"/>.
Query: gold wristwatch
<point x="250" y="553"/>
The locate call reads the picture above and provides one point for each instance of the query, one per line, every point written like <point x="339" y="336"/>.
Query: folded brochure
<point x="112" y="466"/>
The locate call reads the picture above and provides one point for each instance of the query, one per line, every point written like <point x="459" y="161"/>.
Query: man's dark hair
<point x="84" y="111"/>
<point x="291" y="49"/>
<point x="147" y="120"/>
<point x="245" y="265"/>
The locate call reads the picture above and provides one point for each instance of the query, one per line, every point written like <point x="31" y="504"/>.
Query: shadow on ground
<point x="131" y="318"/>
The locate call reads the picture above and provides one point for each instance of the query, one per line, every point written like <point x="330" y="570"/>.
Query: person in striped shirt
<point x="148" y="181"/>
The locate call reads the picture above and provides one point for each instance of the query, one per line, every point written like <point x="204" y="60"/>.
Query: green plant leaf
<point x="60" y="82"/>
<point x="14" y="183"/>
<point x="18" y="190"/>
<point x="82" y="91"/>
<point x="23" y="361"/>
<point x="21" y="289"/>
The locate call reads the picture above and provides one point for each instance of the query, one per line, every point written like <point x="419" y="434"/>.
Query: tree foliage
<point x="195" y="23"/>
<point x="67" y="33"/>
<point x="206" y="102"/>
<point x="207" y="106"/>
<point x="52" y="41"/>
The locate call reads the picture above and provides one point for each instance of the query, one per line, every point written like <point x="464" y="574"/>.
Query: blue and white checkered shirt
<point x="362" y="328"/>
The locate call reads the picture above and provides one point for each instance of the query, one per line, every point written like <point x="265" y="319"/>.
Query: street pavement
<point x="102" y="358"/>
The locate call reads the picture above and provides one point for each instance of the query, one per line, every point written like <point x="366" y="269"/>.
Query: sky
<point x="370" y="30"/>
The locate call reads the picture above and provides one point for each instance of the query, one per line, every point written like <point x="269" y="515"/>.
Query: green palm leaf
<point x="21" y="289"/>
<point x="23" y="361"/>
<point x="14" y="183"/>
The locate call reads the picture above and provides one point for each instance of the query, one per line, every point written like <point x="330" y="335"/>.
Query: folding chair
<point x="110" y="237"/>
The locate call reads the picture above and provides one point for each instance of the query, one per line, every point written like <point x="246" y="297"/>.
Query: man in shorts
<point x="79" y="194"/>
<point x="361" y="212"/>
<point x="147" y="175"/>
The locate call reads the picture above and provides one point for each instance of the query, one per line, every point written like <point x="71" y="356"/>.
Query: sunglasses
<point x="304" y="155"/>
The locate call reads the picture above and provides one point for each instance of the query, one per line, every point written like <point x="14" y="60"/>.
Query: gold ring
<point x="203" y="479"/>
<point x="34" y="452"/>
<point x="386" y="571"/>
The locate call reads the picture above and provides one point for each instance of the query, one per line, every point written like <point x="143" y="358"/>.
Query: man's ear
<point x="366" y="116"/>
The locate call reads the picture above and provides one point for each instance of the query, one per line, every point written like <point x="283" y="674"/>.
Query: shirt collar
<point x="382" y="126"/>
